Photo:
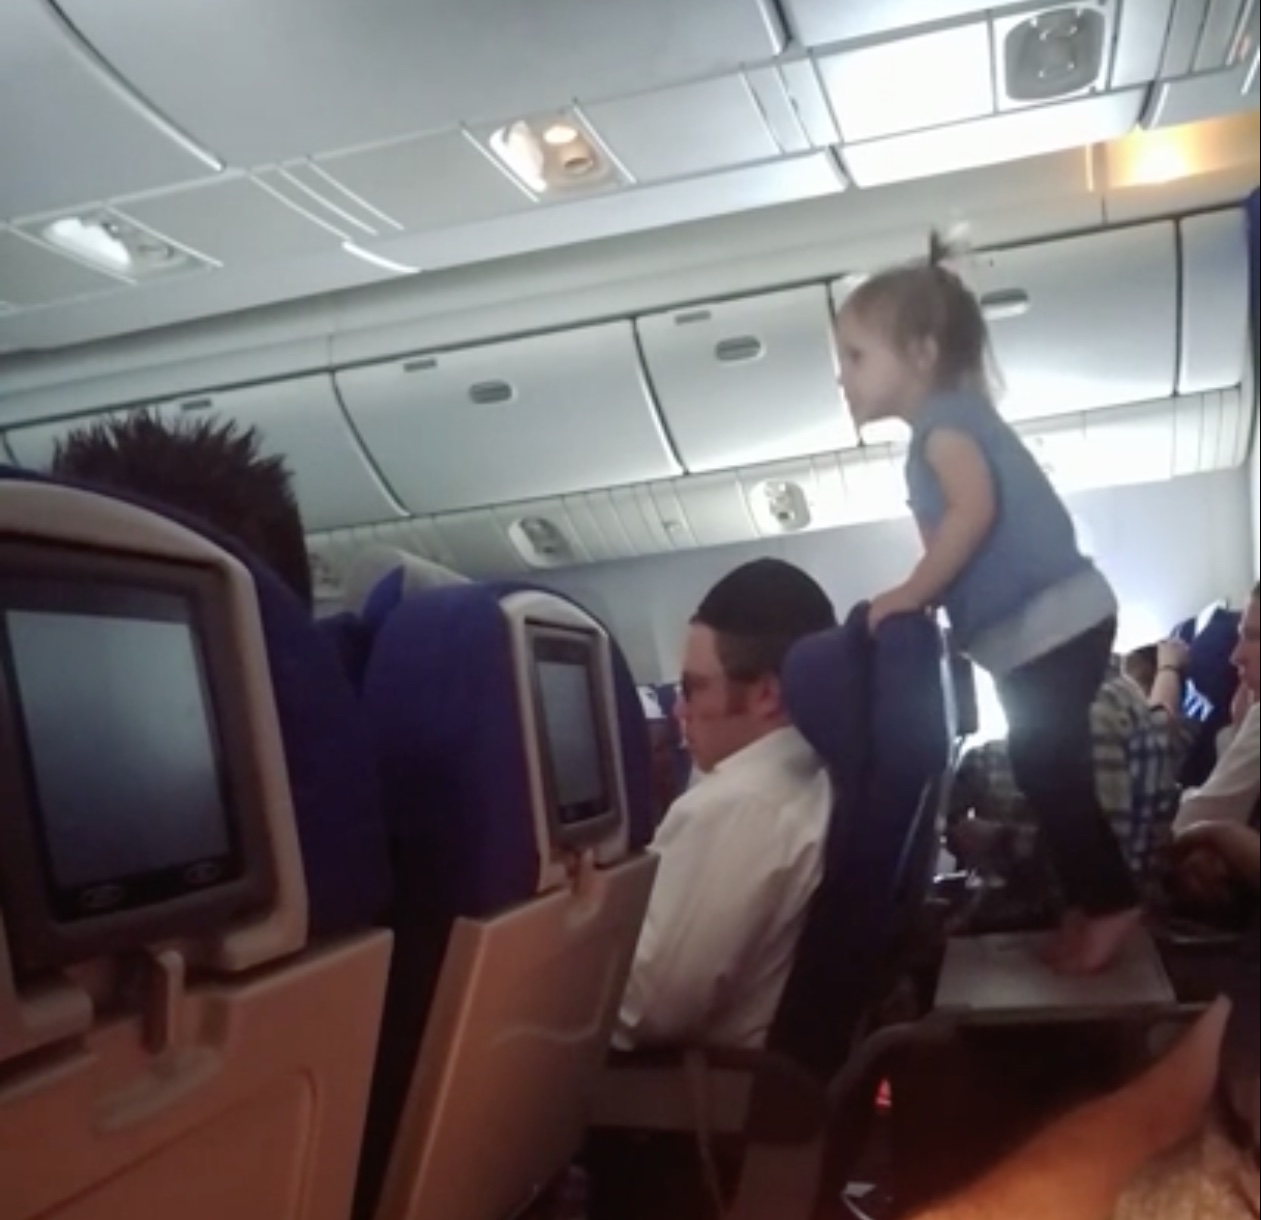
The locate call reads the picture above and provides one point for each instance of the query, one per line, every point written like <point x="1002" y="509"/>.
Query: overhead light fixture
<point x="379" y="260"/>
<point x="113" y="244"/>
<point x="553" y="156"/>
<point x="1055" y="54"/>
<point x="787" y="505"/>
<point x="541" y="543"/>
<point x="560" y="134"/>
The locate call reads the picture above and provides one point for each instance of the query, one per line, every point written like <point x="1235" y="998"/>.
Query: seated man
<point x="1233" y="789"/>
<point x="1138" y="751"/>
<point x="741" y="851"/>
<point x="208" y="468"/>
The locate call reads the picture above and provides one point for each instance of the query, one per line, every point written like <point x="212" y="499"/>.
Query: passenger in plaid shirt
<point x="1138" y="753"/>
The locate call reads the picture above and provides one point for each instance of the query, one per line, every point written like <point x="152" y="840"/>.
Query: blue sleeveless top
<point x="1031" y="547"/>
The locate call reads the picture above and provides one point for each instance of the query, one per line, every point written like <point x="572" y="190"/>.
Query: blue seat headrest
<point x="827" y="683"/>
<point x="440" y="698"/>
<point x="391" y="591"/>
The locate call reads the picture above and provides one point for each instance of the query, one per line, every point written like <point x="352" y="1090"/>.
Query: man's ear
<point x="766" y="698"/>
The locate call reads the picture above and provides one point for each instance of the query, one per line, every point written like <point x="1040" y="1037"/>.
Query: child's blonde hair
<point x="928" y="301"/>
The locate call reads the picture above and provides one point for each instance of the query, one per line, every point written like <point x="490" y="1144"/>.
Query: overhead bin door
<point x="533" y="417"/>
<point x="299" y="420"/>
<point x="748" y="381"/>
<point x="33" y="445"/>
<point x="302" y="421"/>
<point x="1084" y="322"/>
<point x="1214" y="333"/>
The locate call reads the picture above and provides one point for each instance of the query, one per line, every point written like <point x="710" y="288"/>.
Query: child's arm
<point x="968" y="491"/>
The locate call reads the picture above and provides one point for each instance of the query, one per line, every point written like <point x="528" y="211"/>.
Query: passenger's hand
<point x="1173" y="654"/>
<point x="1202" y="877"/>
<point x="976" y="843"/>
<point x="889" y="605"/>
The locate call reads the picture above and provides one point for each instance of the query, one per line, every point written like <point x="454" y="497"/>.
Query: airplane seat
<point x="879" y="713"/>
<point x="1211" y="684"/>
<point x="332" y="770"/>
<point x="966" y="699"/>
<point x="421" y="576"/>
<point x="504" y="749"/>
<point x="350" y="641"/>
<point x="170" y="1043"/>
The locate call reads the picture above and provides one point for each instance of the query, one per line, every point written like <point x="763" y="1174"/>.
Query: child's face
<point x="879" y="378"/>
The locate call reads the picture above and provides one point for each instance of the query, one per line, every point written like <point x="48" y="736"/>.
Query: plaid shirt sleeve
<point x="1138" y="755"/>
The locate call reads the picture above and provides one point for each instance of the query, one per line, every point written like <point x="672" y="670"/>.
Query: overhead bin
<point x="1214" y="335"/>
<point x="749" y="380"/>
<point x="544" y="416"/>
<point x="1196" y="434"/>
<point x="299" y="420"/>
<point x="1083" y="322"/>
<point x="33" y="445"/>
<point x="302" y="421"/>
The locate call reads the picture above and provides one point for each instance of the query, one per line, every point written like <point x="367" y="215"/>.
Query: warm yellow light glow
<point x="1170" y="154"/>
<point x="1150" y="158"/>
<point x="560" y="134"/>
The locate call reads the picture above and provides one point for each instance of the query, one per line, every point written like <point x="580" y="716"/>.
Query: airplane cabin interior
<point x="329" y="904"/>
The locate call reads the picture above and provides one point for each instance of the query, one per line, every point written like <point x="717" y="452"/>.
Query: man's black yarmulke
<point x="767" y="597"/>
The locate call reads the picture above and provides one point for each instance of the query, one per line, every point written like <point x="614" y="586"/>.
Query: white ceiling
<point x="261" y="136"/>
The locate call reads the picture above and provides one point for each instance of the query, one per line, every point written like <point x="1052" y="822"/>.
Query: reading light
<point x="560" y="134"/>
<point x="112" y="244"/>
<point x="89" y="240"/>
<point x="552" y="156"/>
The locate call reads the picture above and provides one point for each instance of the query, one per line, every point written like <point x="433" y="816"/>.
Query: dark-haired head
<point x="909" y="331"/>
<point x="211" y="469"/>
<point x="736" y="646"/>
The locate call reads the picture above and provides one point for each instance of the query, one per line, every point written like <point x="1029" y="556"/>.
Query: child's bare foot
<point x="1090" y="944"/>
<point x="1064" y="946"/>
<point x="1171" y="1099"/>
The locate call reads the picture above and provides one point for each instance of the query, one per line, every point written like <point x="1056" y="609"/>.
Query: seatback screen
<point x="123" y="763"/>
<point x="572" y="738"/>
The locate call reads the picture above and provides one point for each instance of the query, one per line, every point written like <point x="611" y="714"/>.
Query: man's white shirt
<point x="741" y="855"/>
<point x="1231" y="793"/>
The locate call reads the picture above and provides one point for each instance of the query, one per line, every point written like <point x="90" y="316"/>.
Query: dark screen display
<point x="121" y="747"/>
<point x="572" y="736"/>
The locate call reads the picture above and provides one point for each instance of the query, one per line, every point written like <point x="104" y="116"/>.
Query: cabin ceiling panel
<point x="268" y="80"/>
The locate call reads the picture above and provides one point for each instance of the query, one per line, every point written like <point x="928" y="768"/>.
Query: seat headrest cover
<point x="400" y="571"/>
<point x="875" y="711"/>
<point x="332" y="778"/>
<point x="440" y="697"/>
<point x="827" y="684"/>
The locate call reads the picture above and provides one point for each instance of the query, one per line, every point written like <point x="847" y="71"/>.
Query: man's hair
<point x="758" y="612"/>
<point x="211" y="469"/>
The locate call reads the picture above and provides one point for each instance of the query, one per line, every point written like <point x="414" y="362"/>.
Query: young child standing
<point x="1001" y="555"/>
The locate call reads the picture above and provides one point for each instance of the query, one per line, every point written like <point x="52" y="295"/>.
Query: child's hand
<point x="887" y="605"/>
